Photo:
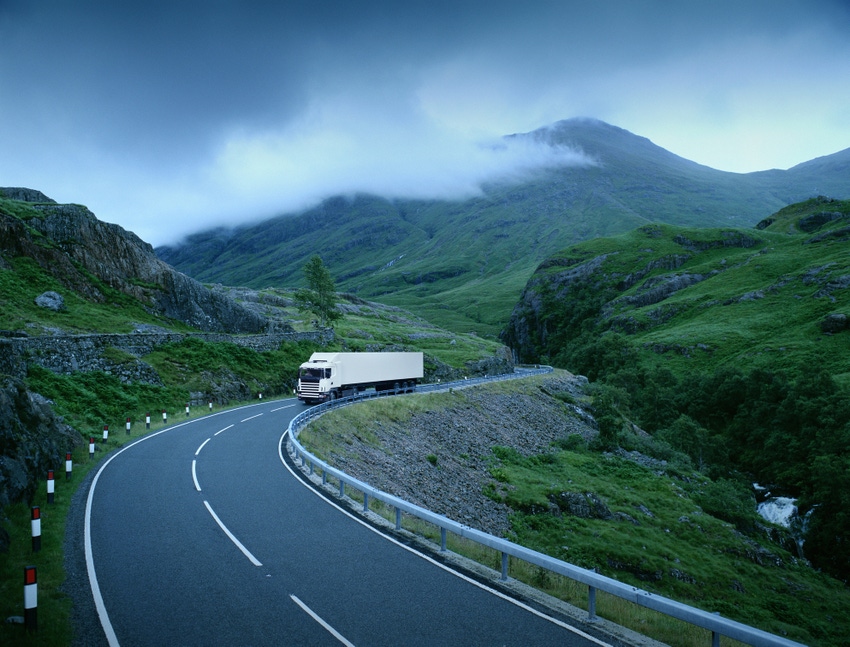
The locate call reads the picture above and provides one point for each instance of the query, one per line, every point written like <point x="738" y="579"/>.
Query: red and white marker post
<point x="129" y="424"/>
<point x="30" y="598"/>
<point x="51" y="486"/>
<point x="105" y="432"/>
<point x="210" y="405"/>
<point x="35" y="524"/>
<point x="164" y="417"/>
<point x="91" y="446"/>
<point x="187" y="409"/>
<point x="147" y="420"/>
<point x="69" y="465"/>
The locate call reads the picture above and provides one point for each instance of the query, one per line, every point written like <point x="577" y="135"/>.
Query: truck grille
<point x="309" y="389"/>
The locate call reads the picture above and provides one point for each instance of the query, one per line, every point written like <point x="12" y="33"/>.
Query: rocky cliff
<point x="74" y="246"/>
<point x="32" y="441"/>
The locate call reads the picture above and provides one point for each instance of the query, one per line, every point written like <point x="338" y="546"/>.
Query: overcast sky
<point x="171" y="117"/>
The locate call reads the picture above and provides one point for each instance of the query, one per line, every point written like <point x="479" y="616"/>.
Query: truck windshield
<point x="315" y="373"/>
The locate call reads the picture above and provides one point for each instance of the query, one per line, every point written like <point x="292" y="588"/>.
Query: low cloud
<point x="255" y="176"/>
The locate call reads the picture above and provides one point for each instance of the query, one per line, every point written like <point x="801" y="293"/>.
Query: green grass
<point x="706" y="325"/>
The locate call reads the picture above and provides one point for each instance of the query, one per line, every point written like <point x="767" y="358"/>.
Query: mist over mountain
<point x="463" y="264"/>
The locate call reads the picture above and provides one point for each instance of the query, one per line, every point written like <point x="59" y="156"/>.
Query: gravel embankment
<point x="440" y="459"/>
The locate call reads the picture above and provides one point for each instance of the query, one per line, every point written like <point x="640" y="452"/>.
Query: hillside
<point x="730" y="345"/>
<point x="700" y="299"/>
<point x="521" y="460"/>
<point x="462" y="265"/>
<point x="65" y="270"/>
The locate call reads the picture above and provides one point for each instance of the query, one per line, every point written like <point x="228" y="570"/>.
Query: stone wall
<point x="65" y="354"/>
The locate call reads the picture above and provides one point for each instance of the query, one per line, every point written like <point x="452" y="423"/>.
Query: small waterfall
<point x="779" y="510"/>
<point x="783" y="511"/>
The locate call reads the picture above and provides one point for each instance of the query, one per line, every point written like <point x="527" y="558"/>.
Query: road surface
<point x="200" y="534"/>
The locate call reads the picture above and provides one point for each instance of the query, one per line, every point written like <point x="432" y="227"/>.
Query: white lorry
<point x="327" y="376"/>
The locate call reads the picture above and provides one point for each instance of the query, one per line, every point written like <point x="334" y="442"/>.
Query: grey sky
<point x="169" y="117"/>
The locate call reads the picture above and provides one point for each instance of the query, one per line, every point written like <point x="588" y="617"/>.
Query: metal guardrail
<point x="718" y="625"/>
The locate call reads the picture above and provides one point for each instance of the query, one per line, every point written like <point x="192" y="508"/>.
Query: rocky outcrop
<point x="24" y="195"/>
<point x="68" y="241"/>
<point x="32" y="440"/>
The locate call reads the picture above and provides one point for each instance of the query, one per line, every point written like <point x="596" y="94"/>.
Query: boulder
<point x="586" y="506"/>
<point x="835" y="322"/>
<point x="50" y="300"/>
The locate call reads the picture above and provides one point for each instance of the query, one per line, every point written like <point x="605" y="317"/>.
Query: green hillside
<point x="462" y="265"/>
<point x="730" y="345"/>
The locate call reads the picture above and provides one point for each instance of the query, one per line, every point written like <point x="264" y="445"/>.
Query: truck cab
<point x="316" y="381"/>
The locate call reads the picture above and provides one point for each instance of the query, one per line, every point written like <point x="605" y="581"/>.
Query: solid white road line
<point x="238" y="543"/>
<point x="480" y="585"/>
<point x="324" y="624"/>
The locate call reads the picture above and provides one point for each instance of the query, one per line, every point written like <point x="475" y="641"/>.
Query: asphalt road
<point x="200" y="535"/>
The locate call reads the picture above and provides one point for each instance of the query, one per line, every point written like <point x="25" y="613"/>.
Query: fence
<point x="715" y="623"/>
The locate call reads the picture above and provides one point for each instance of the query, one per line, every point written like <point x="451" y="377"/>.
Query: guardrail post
<point x="341" y="488"/>
<point x="591" y="603"/>
<point x="442" y="540"/>
<point x="504" y="566"/>
<point x="365" y="502"/>
<point x="715" y="639"/>
<point x="398" y="518"/>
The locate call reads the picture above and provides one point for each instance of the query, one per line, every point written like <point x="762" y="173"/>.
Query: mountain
<point x="62" y="252"/>
<point x="463" y="264"/>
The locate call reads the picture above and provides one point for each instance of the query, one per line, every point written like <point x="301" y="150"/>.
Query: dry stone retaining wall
<point x="65" y="354"/>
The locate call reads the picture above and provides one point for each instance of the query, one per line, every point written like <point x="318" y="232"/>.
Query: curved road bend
<point x="198" y="535"/>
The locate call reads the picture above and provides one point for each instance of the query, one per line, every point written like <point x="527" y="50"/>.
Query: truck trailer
<point x="327" y="376"/>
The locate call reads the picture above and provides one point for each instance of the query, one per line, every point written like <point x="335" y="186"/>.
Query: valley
<point x="708" y="310"/>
